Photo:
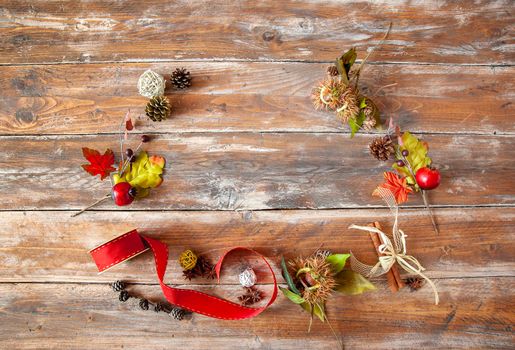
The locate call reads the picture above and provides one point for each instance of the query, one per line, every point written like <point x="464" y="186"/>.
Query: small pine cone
<point x="332" y="71"/>
<point x="158" y="307"/>
<point x="371" y="114"/>
<point x="369" y="123"/>
<point x="382" y="148"/>
<point x="180" y="78"/>
<point x="414" y="283"/>
<point x="124" y="296"/>
<point x="177" y="313"/>
<point x="143" y="304"/>
<point x="158" y="108"/>
<point x="118" y="286"/>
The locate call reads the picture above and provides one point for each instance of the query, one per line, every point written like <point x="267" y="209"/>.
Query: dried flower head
<point x="327" y="94"/>
<point x="314" y="277"/>
<point x="348" y="105"/>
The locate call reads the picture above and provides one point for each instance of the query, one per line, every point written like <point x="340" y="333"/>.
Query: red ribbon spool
<point x="132" y="243"/>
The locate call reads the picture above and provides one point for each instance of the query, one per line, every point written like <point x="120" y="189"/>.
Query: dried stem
<point x="92" y="205"/>
<point x="426" y="203"/>
<point x="368" y="55"/>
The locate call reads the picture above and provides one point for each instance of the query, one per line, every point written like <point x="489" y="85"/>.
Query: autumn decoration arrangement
<point x="309" y="280"/>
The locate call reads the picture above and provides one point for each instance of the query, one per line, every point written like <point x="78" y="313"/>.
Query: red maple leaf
<point x="100" y="164"/>
<point x="397" y="185"/>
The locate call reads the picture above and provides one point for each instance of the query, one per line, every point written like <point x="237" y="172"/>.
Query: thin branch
<point x="92" y="205"/>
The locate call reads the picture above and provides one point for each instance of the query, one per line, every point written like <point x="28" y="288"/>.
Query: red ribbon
<point x="132" y="243"/>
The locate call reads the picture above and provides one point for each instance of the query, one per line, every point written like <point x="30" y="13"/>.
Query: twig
<point x="368" y="55"/>
<point x="92" y="205"/>
<point x="426" y="203"/>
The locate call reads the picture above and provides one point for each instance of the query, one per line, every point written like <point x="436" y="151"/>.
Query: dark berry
<point x="400" y="163"/>
<point x="405" y="152"/>
<point x="129" y="152"/>
<point x="145" y="138"/>
<point x="133" y="192"/>
<point x="132" y="159"/>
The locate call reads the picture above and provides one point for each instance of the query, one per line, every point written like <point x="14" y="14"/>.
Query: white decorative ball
<point x="248" y="277"/>
<point x="151" y="84"/>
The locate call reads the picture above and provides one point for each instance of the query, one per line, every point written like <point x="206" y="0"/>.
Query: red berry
<point x="121" y="194"/>
<point x="145" y="138"/>
<point x="427" y="178"/>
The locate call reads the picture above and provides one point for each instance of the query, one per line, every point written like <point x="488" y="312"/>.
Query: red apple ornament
<point x="427" y="178"/>
<point x="123" y="193"/>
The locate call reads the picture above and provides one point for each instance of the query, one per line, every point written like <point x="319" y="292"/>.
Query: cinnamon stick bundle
<point x="393" y="276"/>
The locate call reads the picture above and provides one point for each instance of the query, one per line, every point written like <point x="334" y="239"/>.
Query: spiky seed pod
<point x="371" y="114"/>
<point x="414" y="283"/>
<point x="382" y="148"/>
<point x="332" y="71"/>
<point x="143" y="304"/>
<point x="177" y="313"/>
<point x="124" y="296"/>
<point x="118" y="286"/>
<point x="316" y="278"/>
<point x="327" y="94"/>
<point x="348" y="105"/>
<point x="158" y="108"/>
<point x="180" y="78"/>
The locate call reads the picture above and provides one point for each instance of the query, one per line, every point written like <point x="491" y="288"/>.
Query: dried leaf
<point x="315" y="309"/>
<point x="352" y="283"/>
<point x="297" y="299"/>
<point x="99" y="164"/>
<point x="144" y="173"/>
<point x="337" y="261"/>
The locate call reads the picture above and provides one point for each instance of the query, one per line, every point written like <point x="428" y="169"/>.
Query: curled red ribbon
<point x="132" y="243"/>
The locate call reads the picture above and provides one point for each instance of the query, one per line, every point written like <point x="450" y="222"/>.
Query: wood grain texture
<point x="96" y="31"/>
<point x="248" y="171"/>
<point x="238" y="96"/>
<point x="474" y="313"/>
<point x="52" y="247"/>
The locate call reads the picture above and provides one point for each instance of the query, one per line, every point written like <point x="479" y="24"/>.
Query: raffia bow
<point x="391" y="252"/>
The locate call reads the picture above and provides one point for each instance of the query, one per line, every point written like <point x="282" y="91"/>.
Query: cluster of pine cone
<point x="159" y="107"/>
<point x="144" y="304"/>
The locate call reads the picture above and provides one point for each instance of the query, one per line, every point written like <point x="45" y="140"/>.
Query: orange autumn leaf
<point x="100" y="164"/>
<point x="397" y="185"/>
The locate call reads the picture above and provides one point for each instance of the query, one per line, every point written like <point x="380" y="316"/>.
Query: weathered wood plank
<point x="474" y="313"/>
<point x="96" y="31"/>
<point x="212" y="171"/>
<point x="51" y="246"/>
<point x="92" y="98"/>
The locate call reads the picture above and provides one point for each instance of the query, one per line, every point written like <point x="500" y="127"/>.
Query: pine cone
<point x="143" y="304"/>
<point x="332" y="71"/>
<point x="177" y="313"/>
<point x="414" y="283"/>
<point x="158" y="108"/>
<point x="382" y="148"/>
<point x="124" y="296"/>
<point x="371" y="114"/>
<point x="118" y="286"/>
<point x="180" y="78"/>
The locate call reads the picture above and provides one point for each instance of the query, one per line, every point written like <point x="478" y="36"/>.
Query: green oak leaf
<point x="297" y="299"/>
<point x="337" y="261"/>
<point x="417" y="156"/>
<point x="356" y="123"/>
<point x="352" y="283"/>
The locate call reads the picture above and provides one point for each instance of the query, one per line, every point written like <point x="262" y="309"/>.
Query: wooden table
<point x="249" y="162"/>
